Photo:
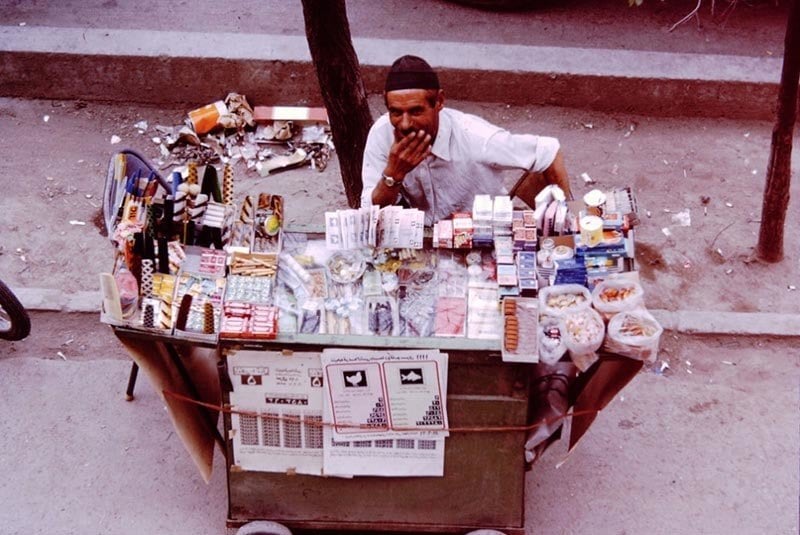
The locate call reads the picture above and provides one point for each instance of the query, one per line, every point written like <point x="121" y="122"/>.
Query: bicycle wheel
<point x="14" y="321"/>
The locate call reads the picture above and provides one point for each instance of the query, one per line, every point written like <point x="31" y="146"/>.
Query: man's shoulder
<point x="381" y="124"/>
<point x="469" y="124"/>
<point x="380" y="131"/>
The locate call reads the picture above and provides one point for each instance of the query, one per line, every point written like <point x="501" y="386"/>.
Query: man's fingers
<point x="410" y="150"/>
<point x="418" y="143"/>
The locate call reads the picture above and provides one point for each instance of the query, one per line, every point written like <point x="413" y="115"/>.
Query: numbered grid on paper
<point x="281" y="430"/>
<point x="248" y="427"/>
<point x="312" y="433"/>
<point x="271" y="430"/>
<point x="292" y="435"/>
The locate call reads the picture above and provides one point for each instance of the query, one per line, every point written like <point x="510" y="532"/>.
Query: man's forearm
<point x="556" y="174"/>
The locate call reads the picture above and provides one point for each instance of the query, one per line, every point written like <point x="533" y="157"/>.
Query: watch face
<point x="389" y="181"/>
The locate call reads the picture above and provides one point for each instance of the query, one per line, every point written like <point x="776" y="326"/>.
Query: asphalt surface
<point x="260" y="50"/>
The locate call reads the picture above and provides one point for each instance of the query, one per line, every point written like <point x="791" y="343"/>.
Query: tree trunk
<point x="776" y="191"/>
<point x="335" y="60"/>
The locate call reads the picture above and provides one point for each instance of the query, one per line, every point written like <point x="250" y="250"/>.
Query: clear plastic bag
<point x="634" y="334"/>
<point x="616" y="295"/>
<point x="583" y="335"/>
<point x="561" y="299"/>
<point x="551" y="340"/>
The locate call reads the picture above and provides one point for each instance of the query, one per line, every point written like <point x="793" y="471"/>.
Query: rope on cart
<point x="312" y="423"/>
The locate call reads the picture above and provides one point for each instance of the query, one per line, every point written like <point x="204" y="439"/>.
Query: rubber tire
<point x="263" y="527"/>
<point x="17" y="316"/>
<point x="486" y="532"/>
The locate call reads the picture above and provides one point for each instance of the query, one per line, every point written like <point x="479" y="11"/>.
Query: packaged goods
<point x="634" y="334"/>
<point x="615" y="295"/>
<point x="583" y="336"/>
<point x="560" y="299"/>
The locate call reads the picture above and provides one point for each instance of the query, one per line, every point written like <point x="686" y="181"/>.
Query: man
<point x="437" y="159"/>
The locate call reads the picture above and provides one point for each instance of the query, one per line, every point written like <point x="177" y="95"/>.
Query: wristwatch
<point x="391" y="182"/>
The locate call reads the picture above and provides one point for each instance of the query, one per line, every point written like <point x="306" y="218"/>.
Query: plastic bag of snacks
<point x="551" y="340"/>
<point x="634" y="334"/>
<point x="562" y="299"/>
<point x="584" y="331"/>
<point x="615" y="295"/>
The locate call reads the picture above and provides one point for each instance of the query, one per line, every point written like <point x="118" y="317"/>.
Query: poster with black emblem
<point x="415" y="395"/>
<point x="389" y="412"/>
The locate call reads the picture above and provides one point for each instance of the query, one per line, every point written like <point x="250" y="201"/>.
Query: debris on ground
<point x="683" y="218"/>
<point x="631" y="128"/>
<point x="266" y="139"/>
<point x="704" y="200"/>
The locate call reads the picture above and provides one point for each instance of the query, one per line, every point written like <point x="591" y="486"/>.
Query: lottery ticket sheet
<point x="387" y="411"/>
<point x="281" y="396"/>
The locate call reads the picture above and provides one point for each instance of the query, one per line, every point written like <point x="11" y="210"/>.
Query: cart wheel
<point x="15" y="324"/>
<point x="486" y="532"/>
<point x="263" y="527"/>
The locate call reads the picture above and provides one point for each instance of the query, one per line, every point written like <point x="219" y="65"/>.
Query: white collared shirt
<point x="468" y="158"/>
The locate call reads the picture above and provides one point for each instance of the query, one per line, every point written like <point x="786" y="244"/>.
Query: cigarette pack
<point x="462" y="231"/>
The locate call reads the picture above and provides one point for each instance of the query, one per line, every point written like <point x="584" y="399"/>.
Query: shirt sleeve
<point x="376" y="155"/>
<point x="520" y="151"/>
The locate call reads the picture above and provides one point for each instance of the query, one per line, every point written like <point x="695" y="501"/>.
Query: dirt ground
<point x="55" y="158"/>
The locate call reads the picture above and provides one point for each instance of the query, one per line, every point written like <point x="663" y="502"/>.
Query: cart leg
<point x="263" y="527"/>
<point x="131" y="382"/>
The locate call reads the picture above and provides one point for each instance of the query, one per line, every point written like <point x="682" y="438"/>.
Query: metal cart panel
<point x="482" y="392"/>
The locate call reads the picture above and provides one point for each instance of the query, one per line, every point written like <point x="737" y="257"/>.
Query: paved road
<point x="755" y="30"/>
<point x="583" y="55"/>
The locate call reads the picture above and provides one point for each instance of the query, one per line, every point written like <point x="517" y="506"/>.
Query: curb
<point x="682" y="321"/>
<point x="159" y="67"/>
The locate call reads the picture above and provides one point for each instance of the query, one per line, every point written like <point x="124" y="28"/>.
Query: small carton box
<point x="462" y="231"/>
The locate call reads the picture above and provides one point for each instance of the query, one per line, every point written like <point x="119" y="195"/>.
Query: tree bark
<point x="328" y="34"/>
<point x="776" y="190"/>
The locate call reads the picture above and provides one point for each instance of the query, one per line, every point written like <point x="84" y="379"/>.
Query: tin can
<point x="206" y="118"/>
<point x="591" y="230"/>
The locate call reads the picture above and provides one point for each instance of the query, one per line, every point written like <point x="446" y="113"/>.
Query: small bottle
<point x="546" y="253"/>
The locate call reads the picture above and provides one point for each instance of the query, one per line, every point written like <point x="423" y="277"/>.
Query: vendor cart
<point x="484" y="472"/>
<point x="178" y="335"/>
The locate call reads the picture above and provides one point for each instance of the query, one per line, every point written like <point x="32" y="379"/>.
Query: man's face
<point x="412" y="110"/>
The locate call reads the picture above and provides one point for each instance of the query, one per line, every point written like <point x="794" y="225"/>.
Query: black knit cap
<point x="411" y="72"/>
